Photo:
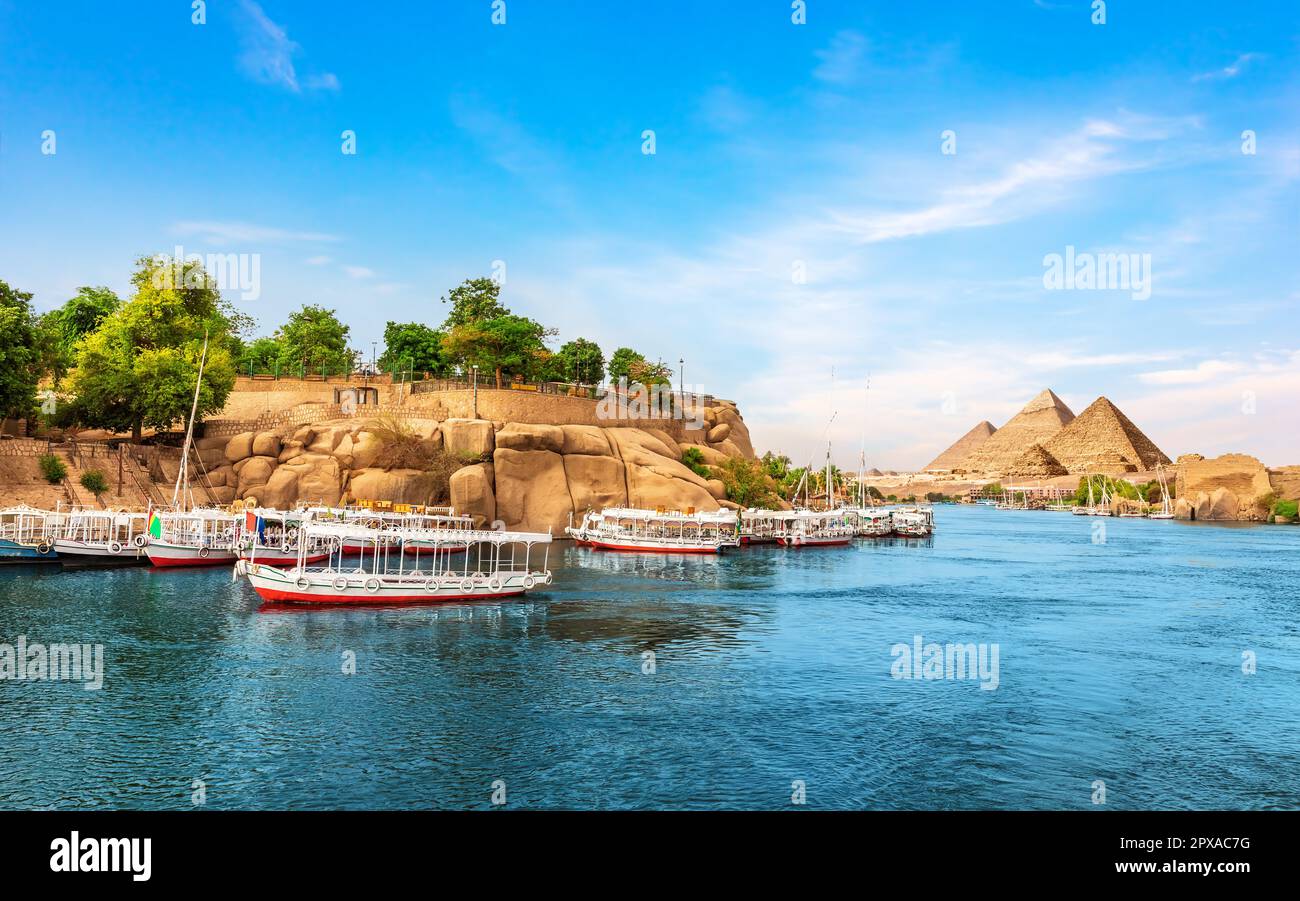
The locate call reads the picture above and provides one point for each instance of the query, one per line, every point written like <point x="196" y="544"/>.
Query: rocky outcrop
<point x="1227" y="488"/>
<point x="532" y="477"/>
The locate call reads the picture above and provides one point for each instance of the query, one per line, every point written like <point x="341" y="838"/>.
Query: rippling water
<point x="1119" y="661"/>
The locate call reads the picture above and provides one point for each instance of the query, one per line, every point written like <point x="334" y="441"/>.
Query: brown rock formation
<point x="1036" y="462"/>
<point x="955" y="456"/>
<point x="472" y="493"/>
<point x="468" y="438"/>
<point x="532" y="491"/>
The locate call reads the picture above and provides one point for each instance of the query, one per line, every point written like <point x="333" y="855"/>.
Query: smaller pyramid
<point x="1036" y="462"/>
<point x="1103" y="438"/>
<point x="955" y="455"/>
<point x="1040" y="419"/>
<point x="874" y="472"/>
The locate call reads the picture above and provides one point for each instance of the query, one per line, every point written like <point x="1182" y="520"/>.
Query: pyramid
<point x="1041" y="418"/>
<point x="1037" y="462"/>
<point x="1103" y="437"/>
<point x="952" y="458"/>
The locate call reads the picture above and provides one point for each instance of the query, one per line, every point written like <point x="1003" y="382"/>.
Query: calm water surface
<point x="1119" y="661"/>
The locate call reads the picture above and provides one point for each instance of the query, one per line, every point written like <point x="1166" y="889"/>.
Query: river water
<point x="1120" y="667"/>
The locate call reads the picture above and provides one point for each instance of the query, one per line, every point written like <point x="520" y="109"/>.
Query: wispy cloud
<point x="1232" y="70"/>
<point x="359" y="272"/>
<point x="319" y="260"/>
<point x="268" y="53"/>
<point x="225" y="233"/>
<point x="1205" y="371"/>
<point x="841" y="61"/>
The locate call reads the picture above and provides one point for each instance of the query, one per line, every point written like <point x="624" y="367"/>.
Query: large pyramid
<point x="1041" y="418"/>
<point x="965" y="445"/>
<point x="1102" y="439"/>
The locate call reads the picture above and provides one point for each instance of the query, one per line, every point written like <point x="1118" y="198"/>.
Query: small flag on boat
<point x="155" y="524"/>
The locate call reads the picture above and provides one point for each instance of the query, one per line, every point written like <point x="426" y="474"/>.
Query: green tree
<point x="139" y="367"/>
<point x="415" y="346"/>
<point x="747" y="482"/>
<point x="314" y="340"/>
<point x="474" y="301"/>
<point x="582" y="362"/>
<point x="777" y="466"/>
<point x="509" y="343"/>
<point x="59" y="330"/>
<point x="621" y="363"/>
<point x="260" y="355"/>
<point x="693" y="459"/>
<point x="19" y="353"/>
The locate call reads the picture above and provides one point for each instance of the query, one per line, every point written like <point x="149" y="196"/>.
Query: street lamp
<point x="475" y="368"/>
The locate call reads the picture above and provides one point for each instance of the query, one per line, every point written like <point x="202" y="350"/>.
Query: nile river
<point x="1118" y="663"/>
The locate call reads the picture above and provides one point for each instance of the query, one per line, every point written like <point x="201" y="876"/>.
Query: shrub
<point x="53" y="469"/>
<point x="747" y="482"/>
<point x="1286" y="508"/>
<point x="693" y="458"/>
<point x="93" y="481"/>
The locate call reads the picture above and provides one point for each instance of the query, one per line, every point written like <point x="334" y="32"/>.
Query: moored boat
<point x="813" y="528"/>
<point x="103" y="538"/>
<point x="493" y="568"/>
<point x="913" y="522"/>
<point x="25" y="535"/>
<point x="199" y="537"/>
<point x="657" y="531"/>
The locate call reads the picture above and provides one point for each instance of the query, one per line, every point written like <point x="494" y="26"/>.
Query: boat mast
<point x="183" y="476"/>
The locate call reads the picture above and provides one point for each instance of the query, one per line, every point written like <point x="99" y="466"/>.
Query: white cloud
<point x="268" y="53"/>
<point x="1232" y="70"/>
<point x="216" y="232"/>
<point x="320" y="260"/>
<point x="1205" y="371"/>
<point x="841" y="62"/>
<point x="359" y="272"/>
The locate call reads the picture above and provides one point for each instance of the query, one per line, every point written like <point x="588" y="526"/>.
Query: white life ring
<point x="340" y="583"/>
<point x="140" y="540"/>
<point x="372" y="585"/>
<point x="303" y="583"/>
<point x="431" y="585"/>
<point x="203" y="552"/>
<point x="495" y="583"/>
<point x="549" y="577"/>
<point x="114" y="547"/>
<point x="42" y="548"/>
<point x="529" y="581"/>
<point x="467" y="585"/>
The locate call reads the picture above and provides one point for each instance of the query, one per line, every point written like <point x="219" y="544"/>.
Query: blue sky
<point x="779" y="148"/>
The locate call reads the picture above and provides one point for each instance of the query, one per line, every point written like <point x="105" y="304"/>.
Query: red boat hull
<point x="277" y="596"/>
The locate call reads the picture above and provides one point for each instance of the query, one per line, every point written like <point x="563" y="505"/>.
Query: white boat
<point x="26" y="535"/>
<point x="494" y="567"/>
<point x="103" y="537"/>
<point x="657" y="531"/>
<point x="199" y="537"/>
<point x="874" y="522"/>
<point x="816" y="528"/>
<point x="273" y="537"/>
<point x="913" y="522"/>
<point x="1166" y="510"/>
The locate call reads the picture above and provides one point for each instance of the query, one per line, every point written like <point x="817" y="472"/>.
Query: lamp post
<point x="475" y="368"/>
<point x="681" y="382"/>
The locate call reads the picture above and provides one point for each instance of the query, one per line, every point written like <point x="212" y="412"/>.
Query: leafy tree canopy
<point x="505" y="344"/>
<point x="413" y="346"/>
<point x="139" y="367"/>
<point x="19" y="353"/>
<point x="581" y="361"/>
<point x="314" y="340"/>
<point x="474" y="301"/>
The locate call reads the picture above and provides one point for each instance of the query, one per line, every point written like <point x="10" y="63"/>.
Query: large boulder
<point x="320" y="479"/>
<point x="222" y="476"/>
<point x="291" y="450"/>
<point x="210" y="442"/>
<point x="532" y="491"/>
<point x="239" y="447"/>
<point x="211" y="457"/>
<point x="737" y="431"/>
<point x="719" y="432"/>
<point x="585" y="439"/>
<point x="1223" y="506"/>
<point x="717" y="489"/>
<point x="366" y="448"/>
<point x="326" y="438"/>
<point x="401" y="486"/>
<point x="595" y="482"/>
<point x="254" y="473"/>
<point x="655" y="479"/>
<point x="525" y="436"/>
<point x="468" y="438"/>
<point x="729" y="448"/>
<point x="472" y="493"/>
<point x="1183" y="508"/>
<point x="223" y="494"/>
<point x="280" y="491"/>
<point x="266" y="444"/>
